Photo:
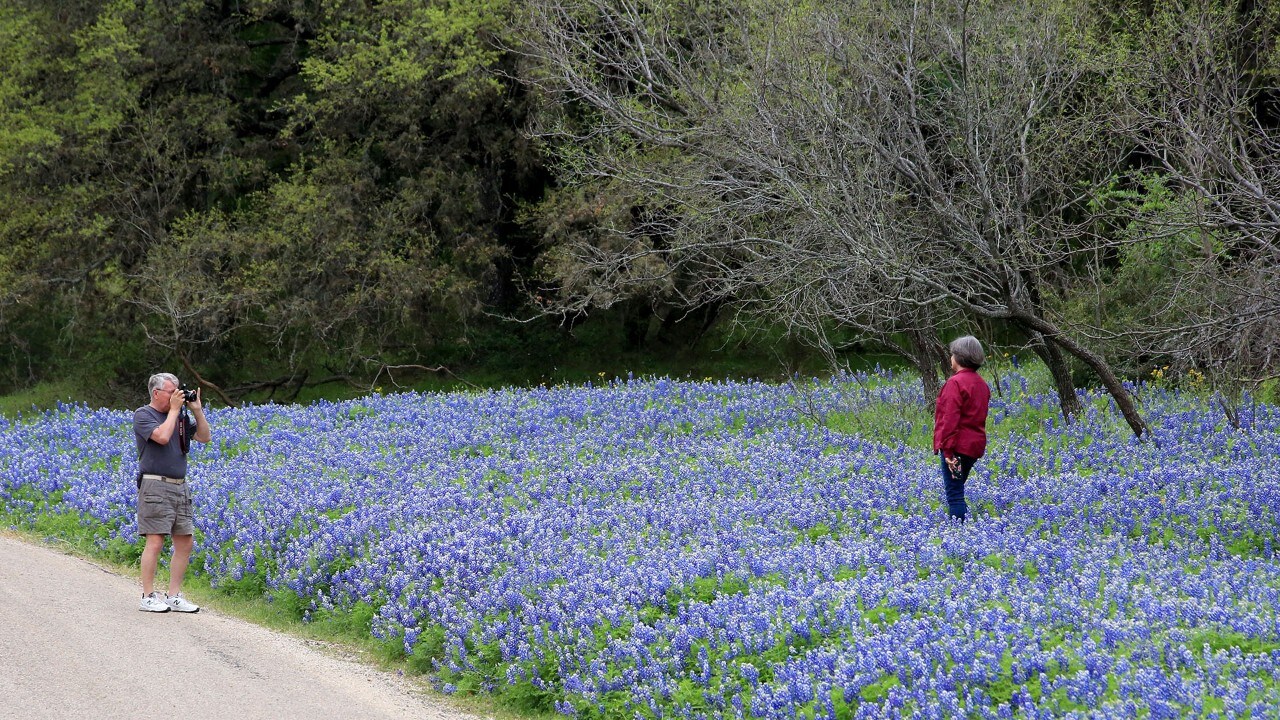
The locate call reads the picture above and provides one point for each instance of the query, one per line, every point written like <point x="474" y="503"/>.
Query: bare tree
<point x="888" y="166"/>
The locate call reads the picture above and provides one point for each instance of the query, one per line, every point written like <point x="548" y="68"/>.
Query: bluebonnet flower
<point x="634" y="538"/>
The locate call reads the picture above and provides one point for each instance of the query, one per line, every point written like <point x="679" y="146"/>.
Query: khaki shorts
<point x="164" y="508"/>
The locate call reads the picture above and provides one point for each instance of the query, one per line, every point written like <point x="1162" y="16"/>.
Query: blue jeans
<point x="953" y="486"/>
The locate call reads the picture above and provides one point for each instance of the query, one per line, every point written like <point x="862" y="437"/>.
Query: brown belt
<point x="170" y="480"/>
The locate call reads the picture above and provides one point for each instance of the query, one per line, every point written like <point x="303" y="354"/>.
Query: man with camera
<point x="163" y="433"/>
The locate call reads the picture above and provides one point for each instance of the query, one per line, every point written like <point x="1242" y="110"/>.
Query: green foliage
<point x="252" y="585"/>
<point x="284" y="601"/>
<point x="430" y="646"/>
<point x="524" y="696"/>
<point x="403" y="47"/>
<point x="912" y="428"/>
<point x="353" y="623"/>
<point x="843" y="709"/>
<point x="1135" y="283"/>
<point x="903" y="419"/>
<point x="71" y="529"/>
<point x="24" y="128"/>
<point x="1219" y="640"/>
<point x="817" y="532"/>
<point x="253" y="186"/>
<point x="707" y="589"/>
<point x="879" y="690"/>
<point x="882" y="614"/>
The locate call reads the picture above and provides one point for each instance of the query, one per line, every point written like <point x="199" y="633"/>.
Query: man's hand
<point x="179" y="398"/>
<point x="203" y="432"/>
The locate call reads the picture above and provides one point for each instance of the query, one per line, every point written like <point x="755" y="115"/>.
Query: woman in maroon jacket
<point x="960" y="421"/>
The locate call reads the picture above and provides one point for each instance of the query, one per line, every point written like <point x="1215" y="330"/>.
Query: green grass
<point x="911" y="423"/>
<point x="576" y="364"/>
<point x="40" y="397"/>
<point x="909" y="426"/>
<point x="1226" y="640"/>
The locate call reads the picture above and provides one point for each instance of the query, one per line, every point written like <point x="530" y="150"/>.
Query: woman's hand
<point x="953" y="464"/>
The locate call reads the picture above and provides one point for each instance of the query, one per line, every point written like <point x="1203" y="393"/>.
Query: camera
<point x="188" y="394"/>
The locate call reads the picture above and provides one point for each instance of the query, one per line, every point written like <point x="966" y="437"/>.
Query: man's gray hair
<point x="968" y="352"/>
<point x="158" y="380"/>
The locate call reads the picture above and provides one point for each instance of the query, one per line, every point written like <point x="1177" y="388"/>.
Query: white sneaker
<point x="178" y="603"/>
<point x="151" y="602"/>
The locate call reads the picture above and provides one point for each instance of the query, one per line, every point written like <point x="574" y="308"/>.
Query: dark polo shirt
<point x="154" y="458"/>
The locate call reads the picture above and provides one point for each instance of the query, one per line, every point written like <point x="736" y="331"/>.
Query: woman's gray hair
<point x="968" y="352"/>
<point x="157" y="382"/>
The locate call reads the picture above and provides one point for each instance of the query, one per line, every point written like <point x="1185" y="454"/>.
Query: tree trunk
<point x="709" y="318"/>
<point x="1051" y="354"/>
<point x="186" y="364"/>
<point x="925" y="355"/>
<point x="635" y="325"/>
<point x="1124" y="400"/>
<point x="683" y="328"/>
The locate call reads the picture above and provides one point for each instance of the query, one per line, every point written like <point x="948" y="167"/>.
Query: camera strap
<point x="184" y="442"/>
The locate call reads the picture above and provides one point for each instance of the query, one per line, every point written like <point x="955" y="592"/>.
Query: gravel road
<point x="74" y="645"/>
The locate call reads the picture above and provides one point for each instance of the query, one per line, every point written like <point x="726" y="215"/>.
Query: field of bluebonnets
<point x="659" y="548"/>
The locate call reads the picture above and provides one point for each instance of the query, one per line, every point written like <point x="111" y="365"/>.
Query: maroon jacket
<point x="960" y="420"/>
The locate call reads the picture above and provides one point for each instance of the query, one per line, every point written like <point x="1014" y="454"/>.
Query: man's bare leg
<point x="178" y="565"/>
<point x="150" y="559"/>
